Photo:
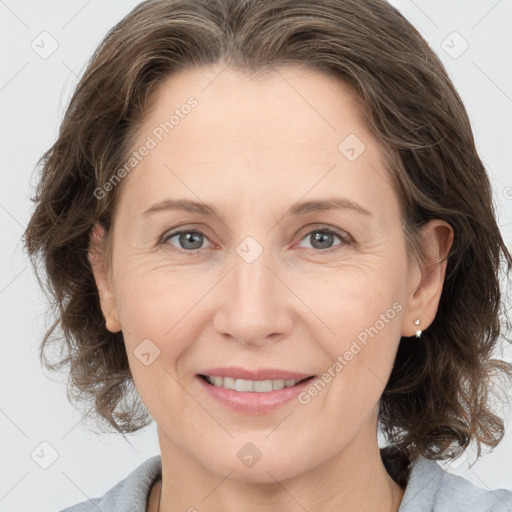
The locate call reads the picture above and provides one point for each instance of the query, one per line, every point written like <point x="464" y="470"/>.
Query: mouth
<point x="251" y="386"/>
<point x="265" y="393"/>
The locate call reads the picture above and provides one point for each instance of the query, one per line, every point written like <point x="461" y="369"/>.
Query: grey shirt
<point x="429" y="489"/>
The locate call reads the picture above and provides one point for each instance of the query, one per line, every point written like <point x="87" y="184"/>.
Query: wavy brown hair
<point x="440" y="389"/>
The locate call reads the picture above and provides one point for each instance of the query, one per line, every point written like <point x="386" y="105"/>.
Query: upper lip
<point x="255" y="374"/>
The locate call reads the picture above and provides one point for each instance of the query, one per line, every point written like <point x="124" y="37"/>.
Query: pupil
<point x="185" y="238"/>
<point x="321" y="237"/>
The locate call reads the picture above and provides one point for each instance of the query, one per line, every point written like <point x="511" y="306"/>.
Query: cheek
<point x="163" y="302"/>
<point x="357" y="297"/>
<point x="153" y="298"/>
<point x="362" y="310"/>
<point x="159" y="310"/>
<point x="153" y="307"/>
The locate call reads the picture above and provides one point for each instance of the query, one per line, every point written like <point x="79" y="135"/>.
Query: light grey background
<point x="33" y="94"/>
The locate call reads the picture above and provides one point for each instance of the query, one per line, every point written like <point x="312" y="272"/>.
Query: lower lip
<point x="253" y="402"/>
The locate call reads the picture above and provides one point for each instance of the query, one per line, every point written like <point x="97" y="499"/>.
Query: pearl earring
<point x="418" y="332"/>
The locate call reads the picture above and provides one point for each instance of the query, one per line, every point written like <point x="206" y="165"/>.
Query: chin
<point x="261" y="473"/>
<point x="267" y="464"/>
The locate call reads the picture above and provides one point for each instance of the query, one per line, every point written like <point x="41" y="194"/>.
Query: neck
<point x="354" y="479"/>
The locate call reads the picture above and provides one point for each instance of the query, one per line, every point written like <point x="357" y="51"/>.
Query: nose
<point x="254" y="304"/>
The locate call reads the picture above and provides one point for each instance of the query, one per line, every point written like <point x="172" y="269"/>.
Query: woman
<point x="261" y="216"/>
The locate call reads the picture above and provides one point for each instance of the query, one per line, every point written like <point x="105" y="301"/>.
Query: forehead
<point x="261" y="101"/>
<point x="281" y="132"/>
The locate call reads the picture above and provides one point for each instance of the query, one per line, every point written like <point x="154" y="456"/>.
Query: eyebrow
<point x="296" y="210"/>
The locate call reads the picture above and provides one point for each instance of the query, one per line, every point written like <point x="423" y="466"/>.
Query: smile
<point x="252" y="392"/>
<point x="248" y="386"/>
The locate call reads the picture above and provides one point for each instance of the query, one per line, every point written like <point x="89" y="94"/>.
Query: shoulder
<point x="431" y="488"/>
<point x="129" y="495"/>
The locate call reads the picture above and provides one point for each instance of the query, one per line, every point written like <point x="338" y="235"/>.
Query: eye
<point x="322" y="238"/>
<point x="188" y="241"/>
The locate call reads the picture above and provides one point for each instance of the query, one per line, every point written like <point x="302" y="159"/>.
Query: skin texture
<point x="252" y="147"/>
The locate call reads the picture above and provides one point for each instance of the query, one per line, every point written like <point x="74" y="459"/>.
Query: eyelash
<point x="343" y="236"/>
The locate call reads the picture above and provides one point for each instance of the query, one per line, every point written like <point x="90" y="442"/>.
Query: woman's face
<point x="301" y="271"/>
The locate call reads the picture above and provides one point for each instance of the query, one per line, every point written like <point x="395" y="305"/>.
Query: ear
<point x="425" y="280"/>
<point x="99" y="265"/>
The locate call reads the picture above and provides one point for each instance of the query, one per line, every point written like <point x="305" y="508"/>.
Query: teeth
<point x="257" y="386"/>
<point x="228" y="382"/>
<point x="278" y="384"/>
<point x="263" y="386"/>
<point x="244" y="385"/>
